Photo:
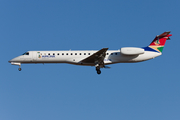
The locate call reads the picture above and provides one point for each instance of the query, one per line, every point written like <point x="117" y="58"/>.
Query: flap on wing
<point x="132" y="51"/>
<point x="99" y="54"/>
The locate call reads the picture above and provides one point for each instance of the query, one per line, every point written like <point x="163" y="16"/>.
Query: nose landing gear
<point x="15" y="63"/>
<point x="19" y="69"/>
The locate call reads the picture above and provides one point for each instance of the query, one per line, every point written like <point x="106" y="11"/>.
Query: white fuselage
<point x="75" y="57"/>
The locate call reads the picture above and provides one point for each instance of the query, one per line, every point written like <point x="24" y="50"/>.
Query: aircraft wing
<point x="96" y="58"/>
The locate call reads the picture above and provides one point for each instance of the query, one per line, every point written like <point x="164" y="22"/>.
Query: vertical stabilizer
<point x="159" y="41"/>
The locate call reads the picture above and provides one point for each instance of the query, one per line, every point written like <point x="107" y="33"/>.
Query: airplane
<point x="98" y="59"/>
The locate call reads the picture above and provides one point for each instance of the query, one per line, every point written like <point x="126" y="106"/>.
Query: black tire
<point x="98" y="71"/>
<point x="19" y="69"/>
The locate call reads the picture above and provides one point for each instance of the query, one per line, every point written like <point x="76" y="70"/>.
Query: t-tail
<point x="159" y="41"/>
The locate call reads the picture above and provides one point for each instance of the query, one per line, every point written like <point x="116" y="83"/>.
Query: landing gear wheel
<point x="19" y="69"/>
<point x="98" y="71"/>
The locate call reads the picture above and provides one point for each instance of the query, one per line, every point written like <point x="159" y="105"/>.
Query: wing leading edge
<point x="96" y="58"/>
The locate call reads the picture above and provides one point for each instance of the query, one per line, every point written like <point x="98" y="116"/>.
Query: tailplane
<point x="159" y="41"/>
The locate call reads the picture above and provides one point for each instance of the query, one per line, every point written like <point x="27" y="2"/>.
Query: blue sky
<point x="141" y="91"/>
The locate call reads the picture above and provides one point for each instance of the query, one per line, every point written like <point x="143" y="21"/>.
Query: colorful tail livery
<point x="159" y="41"/>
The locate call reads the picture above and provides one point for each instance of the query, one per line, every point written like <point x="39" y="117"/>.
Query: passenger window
<point x="115" y="53"/>
<point x="107" y="53"/>
<point x="62" y="53"/>
<point x="84" y="53"/>
<point x="79" y="53"/>
<point x="88" y="53"/>
<point x="53" y="53"/>
<point x="75" y="53"/>
<point x="58" y="54"/>
<point x="66" y="53"/>
<point x="48" y="53"/>
<point x="71" y="54"/>
<point x="111" y="53"/>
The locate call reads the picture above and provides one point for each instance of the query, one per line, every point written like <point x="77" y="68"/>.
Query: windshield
<point x="26" y="53"/>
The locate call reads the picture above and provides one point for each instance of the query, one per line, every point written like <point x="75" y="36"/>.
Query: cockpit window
<point x="26" y="53"/>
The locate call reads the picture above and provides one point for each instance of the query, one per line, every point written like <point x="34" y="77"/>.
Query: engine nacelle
<point x="131" y="51"/>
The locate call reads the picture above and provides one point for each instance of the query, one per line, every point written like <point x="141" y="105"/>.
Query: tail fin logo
<point x="157" y="42"/>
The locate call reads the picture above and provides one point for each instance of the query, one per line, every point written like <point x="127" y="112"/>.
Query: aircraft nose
<point x="16" y="59"/>
<point x="12" y="60"/>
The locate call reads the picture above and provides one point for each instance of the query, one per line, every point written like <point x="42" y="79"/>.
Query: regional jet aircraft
<point x="98" y="59"/>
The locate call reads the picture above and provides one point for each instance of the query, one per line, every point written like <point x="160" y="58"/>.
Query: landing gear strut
<point x="19" y="64"/>
<point x="19" y="67"/>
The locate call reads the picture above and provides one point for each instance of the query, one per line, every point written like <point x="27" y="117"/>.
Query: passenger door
<point x="34" y="56"/>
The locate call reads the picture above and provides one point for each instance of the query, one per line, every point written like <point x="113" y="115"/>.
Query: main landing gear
<point x="98" y="70"/>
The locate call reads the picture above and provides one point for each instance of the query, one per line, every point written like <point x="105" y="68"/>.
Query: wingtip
<point x="106" y="48"/>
